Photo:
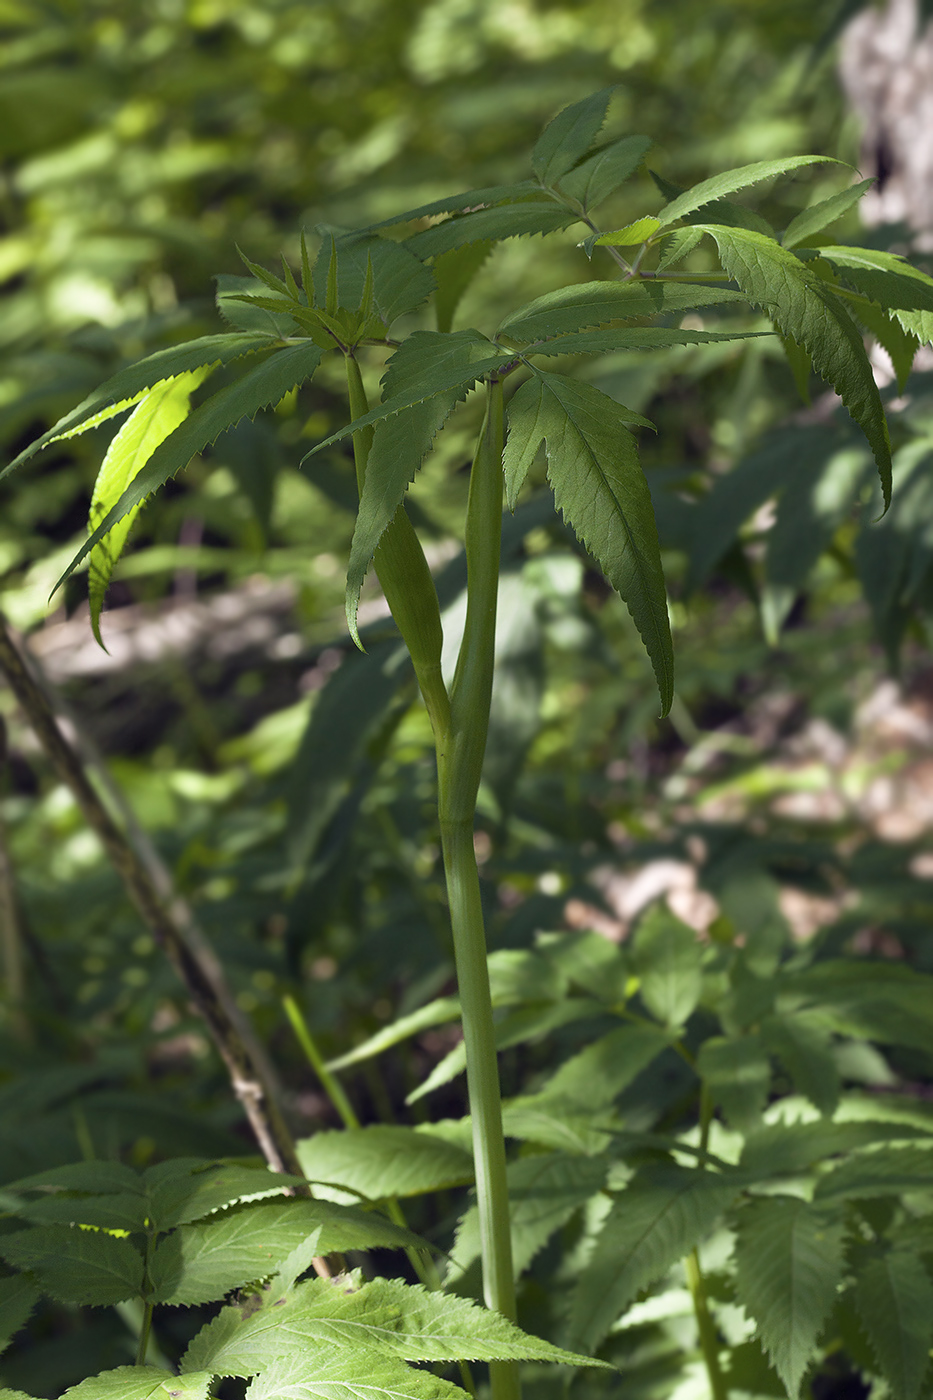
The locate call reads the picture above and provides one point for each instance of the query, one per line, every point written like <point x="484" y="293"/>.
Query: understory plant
<point x="652" y="1149"/>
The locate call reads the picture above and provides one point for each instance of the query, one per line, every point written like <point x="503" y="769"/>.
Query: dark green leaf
<point x="501" y="221"/>
<point x="601" y="174"/>
<point x="596" y="303"/>
<point x="176" y="1197"/>
<point x="75" y="1265"/>
<point x="97" y="1177"/>
<point x="453" y="272"/>
<point x="820" y="216"/>
<point x="656" y="1220"/>
<point x="243" y="316"/>
<point x="469" y="199"/>
<point x="601" y="1071"/>
<point x="544" y="1192"/>
<point x="568" y="136"/>
<point x="668" y="959"/>
<point x="400" y="282"/>
<point x="804" y="307"/>
<point x="881" y="1171"/>
<point x="601" y="491"/>
<point x="790" y="1259"/>
<point x="737" y="1074"/>
<point x="380" y="1161"/>
<point x="787" y="1149"/>
<point x="730" y="181"/>
<point x="435" y="1013"/>
<point x="18" y="1297"/>
<point x="894" y="1298"/>
<point x="633" y="338"/>
<point x="399" y="446"/>
<point x="805" y="1051"/>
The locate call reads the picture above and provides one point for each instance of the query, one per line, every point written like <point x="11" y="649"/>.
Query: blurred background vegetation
<point x="286" y="780"/>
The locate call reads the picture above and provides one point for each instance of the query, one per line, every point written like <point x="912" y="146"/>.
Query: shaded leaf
<point x="400" y="281"/>
<point x="601" y="491"/>
<point x="633" y="338"/>
<point x="544" y="1192"/>
<point x="600" y="1072"/>
<point x="883" y="1171"/>
<point x="894" y="1299"/>
<point x="597" y="177"/>
<point x="805" y="308"/>
<point x="821" y="215"/>
<point x="659" y="1217"/>
<point x="75" y="1265"/>
<point x="790" y="1259"/>
<point x="738" y="1075"/>
<point x="787" y="1149"/>
<point x="668" y="959"/>
<point x="468" y="199"/>
<point x="435" y="1013"/>
<point x="501" y="221"/>
<point x="453" y="273"/>
<point x="177" y="1197"/>
<point x="595" y="303"/>
<point x="380" y="1161"/>
<point x="804" y="1049"/>
<point x="18" y="1297"/>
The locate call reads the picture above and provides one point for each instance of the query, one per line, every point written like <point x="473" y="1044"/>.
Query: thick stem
<point x="460" y="762"/>
<point x="144" y="1336"/>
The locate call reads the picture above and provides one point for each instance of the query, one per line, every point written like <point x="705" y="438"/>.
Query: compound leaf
<point x="790" y="1259"/>
<point x="656" y="1220"/>
<point x="595" y="178"/>
<point x="668" y="959"/>
<point x="805" y="308"/>
<point x="596" y="303"/>
<point x="568" y="136"/>
<point x="495" y="223"/>
<point x="601" y="491"/>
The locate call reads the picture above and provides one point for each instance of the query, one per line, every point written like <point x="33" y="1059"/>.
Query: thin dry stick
<point x="247" y="1080"/>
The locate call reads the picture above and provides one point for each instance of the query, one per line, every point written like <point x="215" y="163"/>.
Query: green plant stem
<point x="144" y="1336"/>
<point x="706" y="1326"/>
<point x="460" y="762"/>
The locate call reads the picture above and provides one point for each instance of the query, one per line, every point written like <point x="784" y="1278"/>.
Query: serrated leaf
<point x="400" y="280"/>
<point x="75" y="1265"/>
<point x="142" y="1383"/>
<point x="804" y="1048"/>
<point x="365" y="1374"/>
<point x="468" y="199"/>
<point x="790" y="1259"/>
<point x="820" y="216"/>
<point x="18" y="1297"/>
<point x="568" y="136"/>
<point x="894" y="1299"/>
<point x="97" y="1177"/>
<point x="399" y="446"/>
<point x="596" y="303"/>
<point x="528" y="1023"/>
<point x="128" y="386"/>
<point x="660" y="1216"/>
<point x="600" y="1072"/>
<point x="435" y="1013"/>
<point x="237" y="313"/>
<point x="14" y="1394"/>
<point x="737" y="1073"/>
<point x="881" y="1171"/>
<point x="385" y="1315"/>
<point x="888" y="1002"/>
<point x="123" y="1211"/>
<point x="381" y="1161"/>
<point x="901" y="345"/>
<point x="805" y="308"/>
<point x="433" y="364"/>
<point x="787" y="1149"/>
<point x="545" y="1191"/>
<point x="497" y="223"/>
<point x="601" y="491"/>
<point x="200" y="1263"/>
<point x="668" y="959"/>
<point x="158" y="414"/>
<point x="264" y="385"/>
<point x="177" y="1198"/>
<point x="453" y="273"/>
<point x="885" y="277"/>
<point x="799" y="364"/>
<point x="677" y="246"/>
<point x="607" y="342"/>
<point x="597" y="177"/>
<point x="730" y="181"/>
<point x="630" y="235"/>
